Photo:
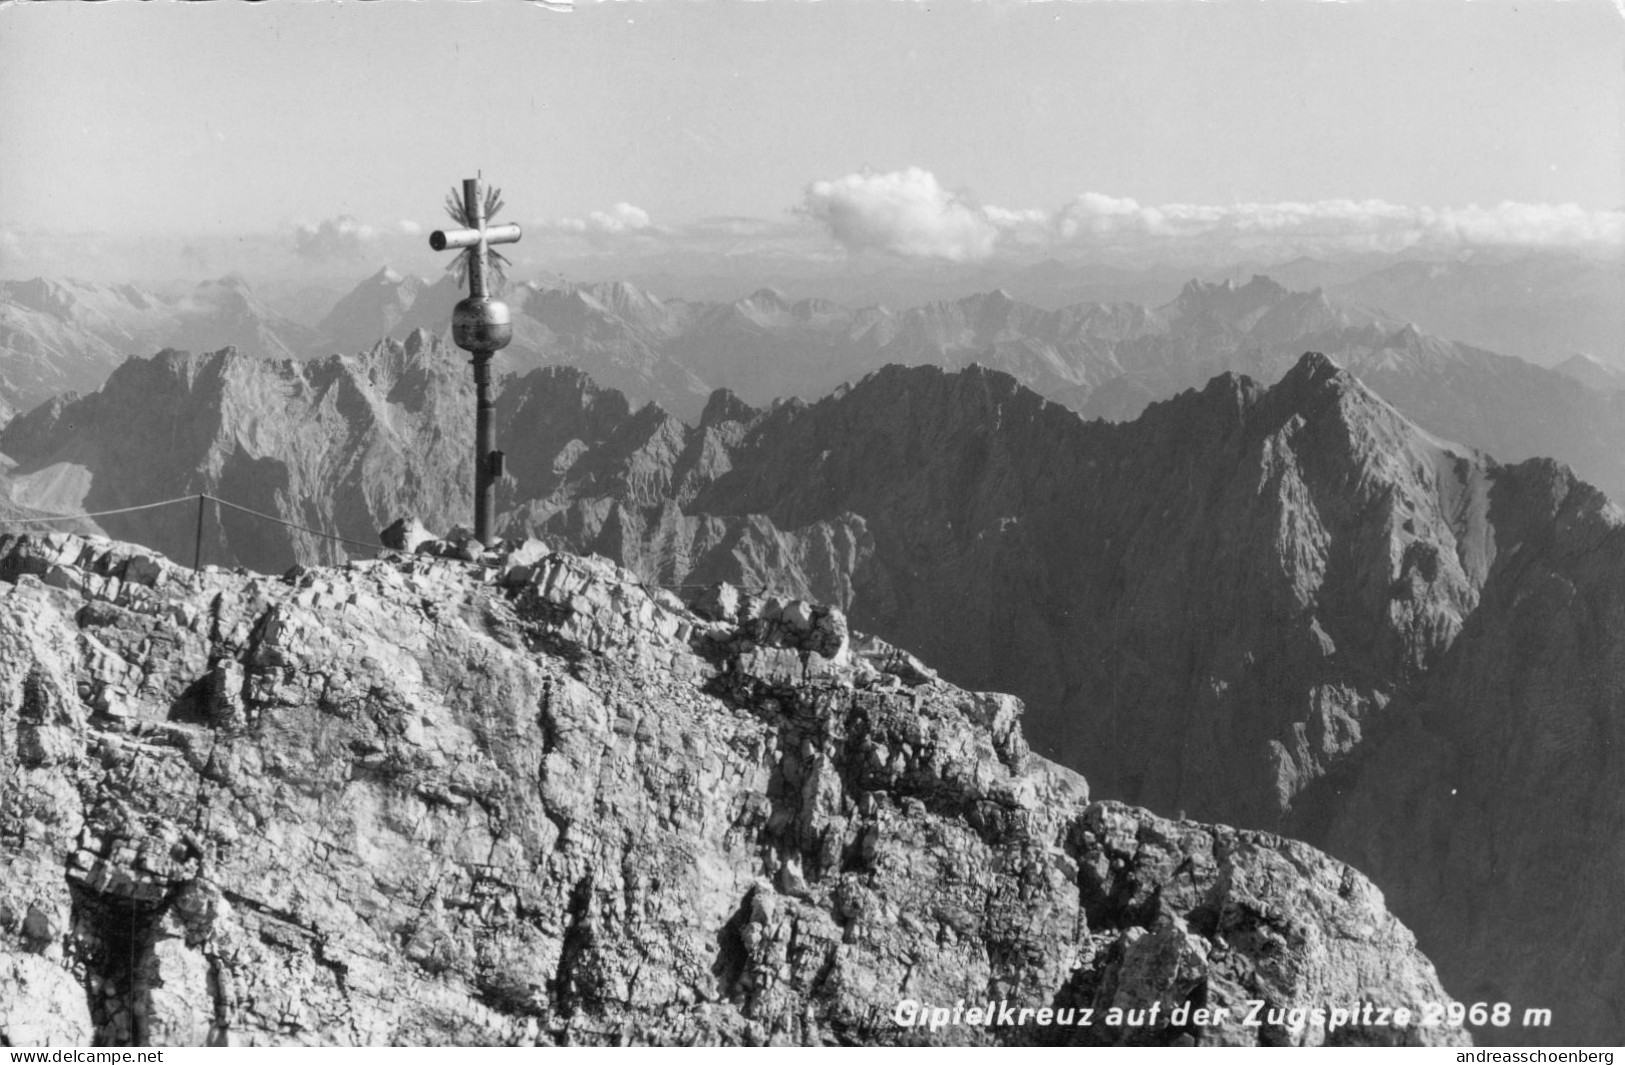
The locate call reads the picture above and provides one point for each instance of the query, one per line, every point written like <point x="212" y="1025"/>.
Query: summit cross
<point x="480" y="326"/>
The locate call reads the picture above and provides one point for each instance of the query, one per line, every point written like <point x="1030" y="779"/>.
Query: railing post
<point x="197" y="546"/>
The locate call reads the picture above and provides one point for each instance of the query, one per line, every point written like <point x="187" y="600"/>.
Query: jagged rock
<point x="405" y="534"/>
<point x="525" y="553"/>
<point x="446" y="808"/>
<point x="720" y="602"/>
<point x="463" y="548"/>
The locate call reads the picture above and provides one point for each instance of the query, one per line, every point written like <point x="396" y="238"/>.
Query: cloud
<point x="905" y="212"/>
<point x="1527" y="223"/>
<point x="332" y="239"/>
<point x="621" y="218"/>
<point x="908" y="213"/>
<point x="409" y="227"/>
<point x="1350" y="223"/>
<point x="1029" y="226"/>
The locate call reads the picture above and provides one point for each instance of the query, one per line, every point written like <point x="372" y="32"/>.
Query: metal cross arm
<point x="441" y="239"/>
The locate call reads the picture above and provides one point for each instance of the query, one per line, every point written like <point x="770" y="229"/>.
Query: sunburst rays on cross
<point x="495" y="260"/>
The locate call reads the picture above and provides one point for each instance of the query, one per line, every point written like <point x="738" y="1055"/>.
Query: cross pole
<point x="481" y="326"/>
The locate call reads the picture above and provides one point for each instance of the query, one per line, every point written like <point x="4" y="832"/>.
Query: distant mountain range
<point x="63" y="335"/>
<point x="1593" y="373"/>
<point x="1104" y="360"/>
<point x="1540" y="308"/>
<point x="1280" y="606"/>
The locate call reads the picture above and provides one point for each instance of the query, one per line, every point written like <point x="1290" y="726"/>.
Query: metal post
<point x="474" y="209"/>
<point x="485" y="439"/>
<point x="480" y="326"/>
<point x="197" y="545"/>
<point x="485" y="443"/>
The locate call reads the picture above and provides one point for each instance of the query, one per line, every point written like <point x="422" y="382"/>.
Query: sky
<point x="316" y="136"/>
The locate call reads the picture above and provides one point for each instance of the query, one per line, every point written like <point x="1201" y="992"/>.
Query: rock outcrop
<point x="420" y="801"/>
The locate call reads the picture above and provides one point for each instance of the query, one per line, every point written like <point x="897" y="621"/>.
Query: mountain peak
<point x="418" y="340"/>
<point x="1314" y="369"/>
<point x="724" y="406"/>
<point x="1592" y="372"/>
<point x="1259" y="288"/>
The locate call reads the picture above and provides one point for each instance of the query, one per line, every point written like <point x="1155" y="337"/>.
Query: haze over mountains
<point x="61" y="334"/>
<point x="1538" y="308"/>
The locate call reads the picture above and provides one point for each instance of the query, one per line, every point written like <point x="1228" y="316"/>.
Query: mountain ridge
<point x="1104" y="360"/>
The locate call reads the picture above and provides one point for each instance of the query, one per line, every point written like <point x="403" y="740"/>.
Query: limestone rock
<point x="416" y="801"/>
<point x="720" y="602"/>
<point x="405" y="534"/>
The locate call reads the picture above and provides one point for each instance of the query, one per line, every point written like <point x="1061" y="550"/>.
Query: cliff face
<point x="1505" y="769"/>
<point x="415" y="801"/>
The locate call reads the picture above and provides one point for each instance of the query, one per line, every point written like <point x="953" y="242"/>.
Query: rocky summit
<point x="529" y="800"/>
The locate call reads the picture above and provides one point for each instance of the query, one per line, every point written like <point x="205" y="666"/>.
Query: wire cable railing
<point x="203" y="498"/>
